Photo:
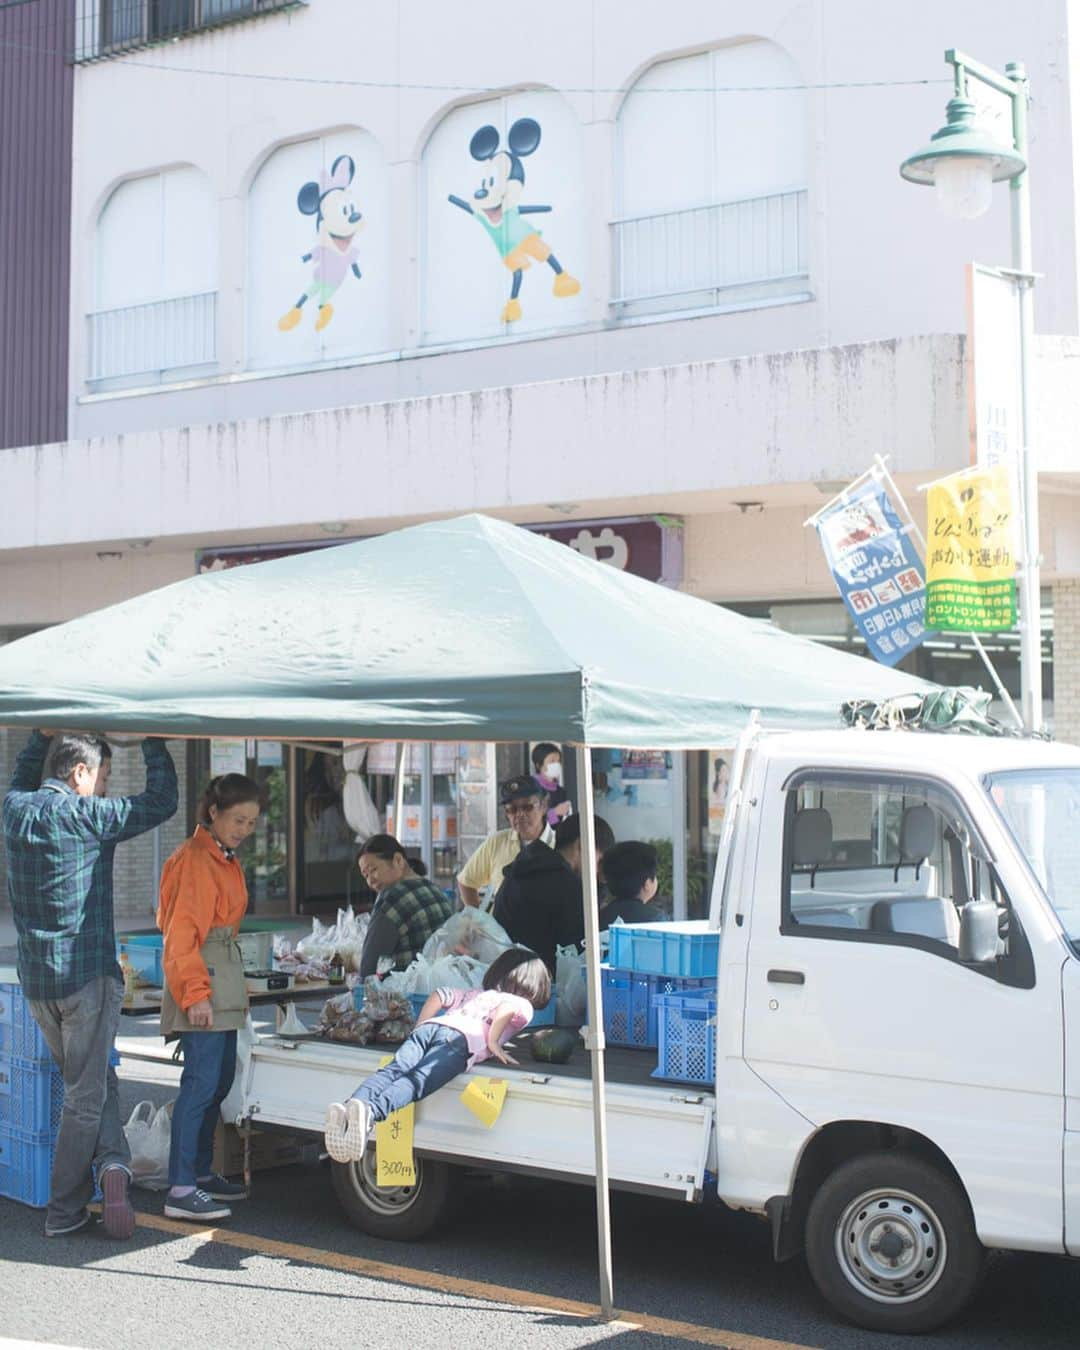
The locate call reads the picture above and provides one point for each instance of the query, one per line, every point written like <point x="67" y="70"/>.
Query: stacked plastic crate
<point x="31" y="1101"/>
<point x="659" y="990"/>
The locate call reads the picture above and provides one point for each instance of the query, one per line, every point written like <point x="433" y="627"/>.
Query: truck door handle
<point x="786" y="977"/>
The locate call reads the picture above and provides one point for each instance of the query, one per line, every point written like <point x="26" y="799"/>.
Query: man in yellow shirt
<point x="525" y="803"/>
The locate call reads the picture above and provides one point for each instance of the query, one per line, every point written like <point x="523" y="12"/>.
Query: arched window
<point x="503" y="217"/>
<point x="155" y="284"/>
<point x="711" y="182"/>
<point x="318" y="252"/>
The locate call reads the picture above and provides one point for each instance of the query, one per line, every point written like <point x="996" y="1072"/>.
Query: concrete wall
<point x="882" y="261"/>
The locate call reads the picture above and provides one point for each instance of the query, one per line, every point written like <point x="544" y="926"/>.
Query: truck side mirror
<point x="979" y="941"/>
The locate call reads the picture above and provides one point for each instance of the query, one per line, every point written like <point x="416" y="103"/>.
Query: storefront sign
<point x="971" y="559"/>
<point x="876" y="569"/>
<point x="645" y="546"/>
<point x="993" y="365"/>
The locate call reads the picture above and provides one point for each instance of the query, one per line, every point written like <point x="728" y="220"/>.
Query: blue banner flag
<point x="876" y="569"/>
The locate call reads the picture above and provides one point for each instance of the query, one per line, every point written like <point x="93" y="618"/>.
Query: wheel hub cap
<point x="890" y="1246"/>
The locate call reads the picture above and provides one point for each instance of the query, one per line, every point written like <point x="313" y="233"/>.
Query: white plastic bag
<point x="470" y="932"/>
<point x="233" y="1104"/>
<point x="571" y="987"/>
<point x="457" y="972"/>
<point x="149" y="1134"/>
<point x="360" y="811"/>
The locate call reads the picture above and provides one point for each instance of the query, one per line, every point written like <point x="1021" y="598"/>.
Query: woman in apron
<point x="202" y="899"/>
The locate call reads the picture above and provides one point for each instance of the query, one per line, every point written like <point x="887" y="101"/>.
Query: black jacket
<point x="630" y="911"/>
<point x="540" y="902"/>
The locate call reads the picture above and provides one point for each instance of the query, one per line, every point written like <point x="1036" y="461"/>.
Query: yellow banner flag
<point x="394" y="1161"/>
<point x="484" y="1097"/>
<point x="970" y="552"/>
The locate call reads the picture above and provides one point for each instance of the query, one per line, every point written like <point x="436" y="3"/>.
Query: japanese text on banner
<point x="877" y="571"/>
<point x="971" y="559"/>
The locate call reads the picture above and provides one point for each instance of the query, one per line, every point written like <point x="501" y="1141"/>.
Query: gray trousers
<point x="80" y="1030"/>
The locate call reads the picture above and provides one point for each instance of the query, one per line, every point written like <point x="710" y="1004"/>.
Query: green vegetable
<point x="555" y="1045"/>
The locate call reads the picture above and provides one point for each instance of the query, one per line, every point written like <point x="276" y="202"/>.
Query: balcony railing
<point x="105" y="27"/>
<point x="701" y="254"/>
<point x="149" y="340"/>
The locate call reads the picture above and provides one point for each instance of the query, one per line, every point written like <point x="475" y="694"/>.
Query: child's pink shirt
<point x="471" y="1011"/>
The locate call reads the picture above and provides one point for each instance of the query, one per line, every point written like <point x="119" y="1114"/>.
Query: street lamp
<point x="962" y="162"/>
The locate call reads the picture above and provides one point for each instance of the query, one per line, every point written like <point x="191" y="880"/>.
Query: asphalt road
<point x="709" y="1268"/>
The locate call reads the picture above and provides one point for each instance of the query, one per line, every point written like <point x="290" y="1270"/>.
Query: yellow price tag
<point x="394" y="1161"/>
<point x="485" y="1097"/>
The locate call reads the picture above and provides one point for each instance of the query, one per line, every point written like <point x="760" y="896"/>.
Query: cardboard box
<point x="267" y="1150"/>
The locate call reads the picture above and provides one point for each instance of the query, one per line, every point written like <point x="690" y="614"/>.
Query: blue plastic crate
<point x="25" y="1164"/>
<point x="630" y="1007"/>
<point x="31" y="1096"/>
<point x="687" y="1036"/>
<point x="20" y="1035"/>
<point x="689" y="949"/>
<point x="144" y="952"/>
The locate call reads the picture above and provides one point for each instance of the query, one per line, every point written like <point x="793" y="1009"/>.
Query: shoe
<point x="337" y="1123"/>
<point x="565" y="285"/>
<point x="195" y="1205"/>
<point x="326" y="313"/>
<point x="511" y="311"/>
<point x="289" y="321"/>
<point x="117" y="1213"/>
<point x="79" y="1226"/>
<point x="358" y="1129"/>
<point x="218" y="1187"/>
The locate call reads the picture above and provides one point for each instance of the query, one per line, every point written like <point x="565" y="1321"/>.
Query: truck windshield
<point x="1042" y="810"/>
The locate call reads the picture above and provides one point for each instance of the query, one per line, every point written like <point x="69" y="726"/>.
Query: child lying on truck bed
<point x="456" y="1029"/>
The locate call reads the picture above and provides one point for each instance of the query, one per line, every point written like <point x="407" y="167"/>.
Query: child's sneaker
<point x="337" y="1123"/>
<point x="359" y="1127"/>
<point x="195" y="1205"/>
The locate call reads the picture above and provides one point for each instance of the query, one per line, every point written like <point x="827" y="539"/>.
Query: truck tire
<point x="891" y="1244"/>
<point x="401" y="1213"/>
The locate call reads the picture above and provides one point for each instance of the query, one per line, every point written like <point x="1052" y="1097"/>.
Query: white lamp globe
<point x="963" y="186"/>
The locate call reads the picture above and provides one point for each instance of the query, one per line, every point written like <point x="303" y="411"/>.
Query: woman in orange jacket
<point x="203" y="897"/>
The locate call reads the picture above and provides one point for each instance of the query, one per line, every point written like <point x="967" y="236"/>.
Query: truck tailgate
<point x="658" y="1135"/>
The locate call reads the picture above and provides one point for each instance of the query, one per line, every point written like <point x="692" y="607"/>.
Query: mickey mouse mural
<point x="496" y="205"/>
<point x="337" y="223"/>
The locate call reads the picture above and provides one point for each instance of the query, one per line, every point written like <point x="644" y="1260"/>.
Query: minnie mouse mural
<point x="337" y="222"/>
<point x="496" y="205"/>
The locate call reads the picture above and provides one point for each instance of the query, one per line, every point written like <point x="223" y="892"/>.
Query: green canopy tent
<point x="466" y="629"/>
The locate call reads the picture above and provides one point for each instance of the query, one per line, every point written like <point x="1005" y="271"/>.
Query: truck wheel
<point x="400" y="1213"/>
<point x="891" y="1244"/>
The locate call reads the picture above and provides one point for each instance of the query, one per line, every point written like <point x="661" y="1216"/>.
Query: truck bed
<point x="659" y="1133"/>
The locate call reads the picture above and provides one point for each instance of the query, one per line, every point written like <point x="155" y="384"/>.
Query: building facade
<point x="335" y="269"/>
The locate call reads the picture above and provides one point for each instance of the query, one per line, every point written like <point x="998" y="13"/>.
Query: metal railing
<point x="166" y="335"/>
<point x="105" y="27"/>
<point x="710" y="249"/>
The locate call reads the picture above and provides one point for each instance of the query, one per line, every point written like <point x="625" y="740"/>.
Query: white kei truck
<point x="897" y="1037"/>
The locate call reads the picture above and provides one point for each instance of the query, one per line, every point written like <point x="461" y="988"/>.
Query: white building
<point x="285" y="327"/>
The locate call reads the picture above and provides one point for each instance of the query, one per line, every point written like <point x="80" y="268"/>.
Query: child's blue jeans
<point x="431" y="1057"/>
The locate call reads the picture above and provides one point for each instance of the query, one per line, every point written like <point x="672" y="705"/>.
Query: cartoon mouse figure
<point x="496" y="205"/>
<point x="338" y="222"/>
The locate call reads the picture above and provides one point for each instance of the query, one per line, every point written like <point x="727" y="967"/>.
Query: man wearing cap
<point x="524" y="802"/>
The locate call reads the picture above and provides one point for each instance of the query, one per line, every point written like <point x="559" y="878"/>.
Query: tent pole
<point x="595" y="1040"/>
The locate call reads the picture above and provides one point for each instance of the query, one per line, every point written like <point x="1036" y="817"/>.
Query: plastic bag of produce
<point x="470" y="932"/>
<point x="457" y="972"/>
<point x="571" y="988"/>
<point x="149" y="1133"/>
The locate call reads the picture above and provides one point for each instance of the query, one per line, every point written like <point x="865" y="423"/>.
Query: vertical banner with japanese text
<point x="876" y="569"/>
<point x="971" y="555"/>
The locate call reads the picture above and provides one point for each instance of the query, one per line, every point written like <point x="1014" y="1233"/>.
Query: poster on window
<point x="720" y="762"/>
<point x="876" y="570"/>
<point x="644" y="765"/>
<point x="971" y="555"/>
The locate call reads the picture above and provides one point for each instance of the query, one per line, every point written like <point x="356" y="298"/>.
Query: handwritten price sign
<point x="394" y="1161"/>
<point x="484" y="1097"/>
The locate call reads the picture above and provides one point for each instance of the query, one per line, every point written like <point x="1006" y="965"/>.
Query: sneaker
<point x="195" y="1205"/>
<point x="117" y="1213"/>
<point x="218" y="1187"/>
<point x="79" y="1226"/>
<point x="359" y="1127"/>
<point x="337" y="1123"/>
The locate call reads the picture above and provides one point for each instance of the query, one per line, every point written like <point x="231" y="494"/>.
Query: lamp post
<point x="962" y="162"/>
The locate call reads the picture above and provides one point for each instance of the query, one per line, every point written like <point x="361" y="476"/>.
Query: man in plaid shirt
<point x="60" y="835"/>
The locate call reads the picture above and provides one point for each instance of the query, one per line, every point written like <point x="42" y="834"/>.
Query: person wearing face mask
<point x="203" y="897"/>
<point x="548" y="772"/>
